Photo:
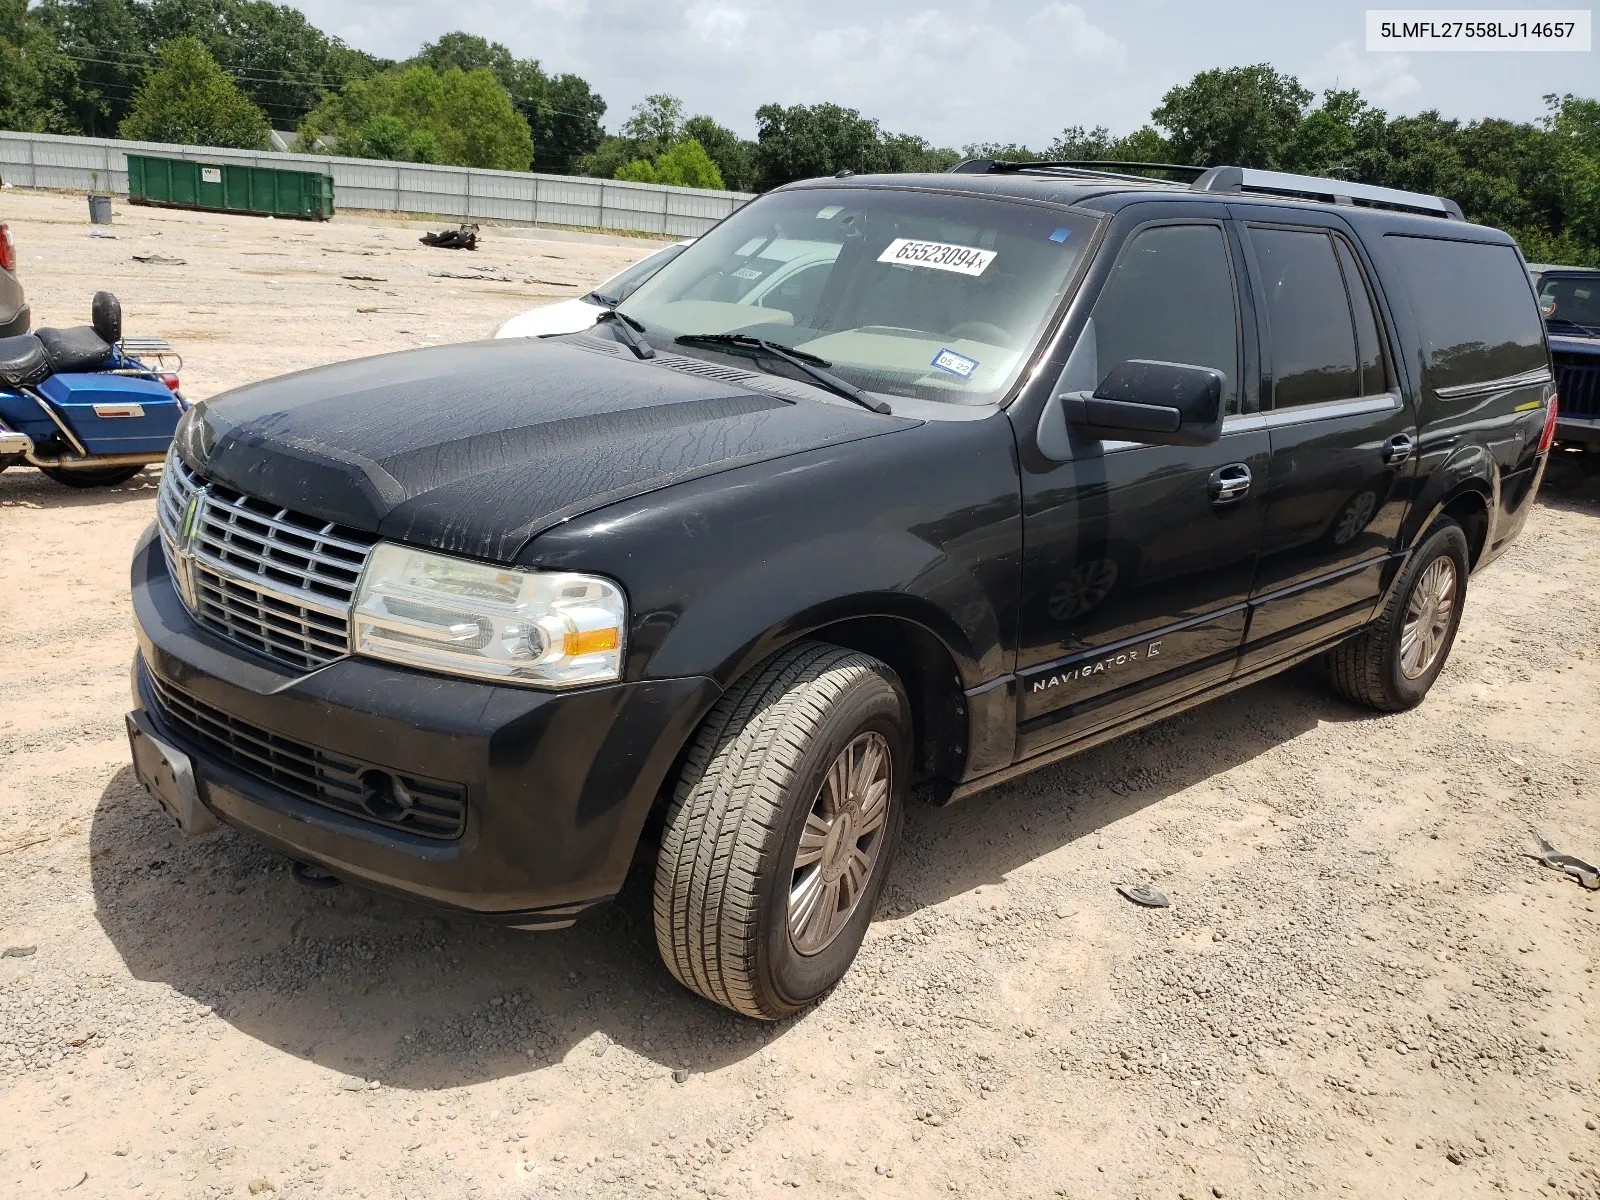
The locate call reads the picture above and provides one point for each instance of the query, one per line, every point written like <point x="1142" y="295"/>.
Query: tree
<point x="103" y="40"/>
<point x="279" y="59"/>
<point x="417" y="114"/>
<point x="1339" y="138"/>
<point x="805" y="141"/>
<point x="568" y="126"/>
<point x="685" y="164"/>
<point x="655" y="122"/>
<point x="1075" y="143"/>
<point x="732" y="153"/>
<point x="34" y="75"/>
<point x="190" y="100"/>
<point x="1238" y="116"/>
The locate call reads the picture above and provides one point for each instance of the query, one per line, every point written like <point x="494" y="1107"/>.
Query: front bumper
<point x="557" y="785"/>
<point x="1578" y="431"/>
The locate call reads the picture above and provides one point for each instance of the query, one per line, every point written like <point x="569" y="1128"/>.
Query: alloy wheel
<point x="841" y="843"/>
<point x="1428" y="613"/>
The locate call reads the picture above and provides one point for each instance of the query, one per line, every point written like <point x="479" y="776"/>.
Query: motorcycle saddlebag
<point x="115" y="414"/>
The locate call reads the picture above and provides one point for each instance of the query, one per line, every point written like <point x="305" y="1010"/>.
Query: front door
<point x="1138" y="558"/>
<point x="1344" y="442"/>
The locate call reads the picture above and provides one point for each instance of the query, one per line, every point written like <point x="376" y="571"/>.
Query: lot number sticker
<point x="941" y="256"/>
<point x="956" y="364"/>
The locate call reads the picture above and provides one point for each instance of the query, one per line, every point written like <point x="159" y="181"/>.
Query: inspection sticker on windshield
<point x="941" y="256"/>
<point x="956" y="364"/>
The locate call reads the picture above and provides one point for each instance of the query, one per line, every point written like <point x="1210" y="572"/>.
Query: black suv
<point x="917" y="481"/>
<point x="1569" y="298"/>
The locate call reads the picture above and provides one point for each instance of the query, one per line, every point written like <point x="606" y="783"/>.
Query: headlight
<point x="543" y="628"/>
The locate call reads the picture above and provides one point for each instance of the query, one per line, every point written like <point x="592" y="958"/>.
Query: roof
<point x="1105" y="192"/>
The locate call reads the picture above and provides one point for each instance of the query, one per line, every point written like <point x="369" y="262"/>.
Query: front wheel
<point x="92" y="476"/>
<point x="782" y="828"/>
<point x="1392" y="663"/>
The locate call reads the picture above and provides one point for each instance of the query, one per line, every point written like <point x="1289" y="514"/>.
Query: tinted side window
<point x="1312" y="340"/>
<point x="1374" y="379"/>
<point x="1171" y="299"/>
<point x="1474" y="308"/>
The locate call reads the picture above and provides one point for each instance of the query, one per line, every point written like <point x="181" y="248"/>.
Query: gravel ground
<point x="1362" y="986"/>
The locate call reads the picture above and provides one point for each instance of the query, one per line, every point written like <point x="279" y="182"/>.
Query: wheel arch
<point x="925" y="663"/>
<point x="1471" y="505"/>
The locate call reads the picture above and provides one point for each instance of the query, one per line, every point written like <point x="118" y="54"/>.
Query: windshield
<point x="624" y="283"/>
<point x="1572" y="300"/>
<point x="904" y="293"/>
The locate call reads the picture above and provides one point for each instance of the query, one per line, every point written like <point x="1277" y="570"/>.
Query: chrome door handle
<point x="1228" y="484"/>
<point x="1398" y="448"/>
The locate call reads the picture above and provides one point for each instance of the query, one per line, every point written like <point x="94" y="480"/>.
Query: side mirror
<point x="1167" y="404"/>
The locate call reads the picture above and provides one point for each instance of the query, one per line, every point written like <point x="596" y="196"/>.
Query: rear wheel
<point x="1391" y="664"/>
<point x="782" y="829"/>
<point x="92" y="476"/>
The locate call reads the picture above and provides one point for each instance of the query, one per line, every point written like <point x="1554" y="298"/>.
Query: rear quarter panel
<point x="1485" y="442"/>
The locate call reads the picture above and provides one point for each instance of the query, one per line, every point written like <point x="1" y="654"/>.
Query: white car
<point x="574" y="316"/>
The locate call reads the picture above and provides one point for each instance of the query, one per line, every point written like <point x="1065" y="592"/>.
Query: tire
<point x="758" y="765"/>
<point x="1379" y="667"/>
<point x="93" y="476"/>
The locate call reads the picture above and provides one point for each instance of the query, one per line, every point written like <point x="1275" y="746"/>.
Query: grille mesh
<point x="432" y="808"/>
<point x="276" y="581"/>
<point x="1578" y="385"/>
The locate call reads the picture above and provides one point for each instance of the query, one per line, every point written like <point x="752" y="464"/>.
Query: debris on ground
<point x="1587" y="874"/>
<point x="1144" y="894"/>
<point x="464" y="238"/>
<point x="17" y="951"/>
<point x="159" y="260"/>
<point x="478" y="278"/>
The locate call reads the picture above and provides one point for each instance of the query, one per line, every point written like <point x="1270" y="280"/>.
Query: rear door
<point x="1343" y="438"/>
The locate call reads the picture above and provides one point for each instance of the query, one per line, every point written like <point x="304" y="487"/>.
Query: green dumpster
<point x="229" y="187"/>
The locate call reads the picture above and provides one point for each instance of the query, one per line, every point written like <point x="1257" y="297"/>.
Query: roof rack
<point x="1075" y="167"/>
<point x="1339" y="191"/>
<point x="1230" y="179"/>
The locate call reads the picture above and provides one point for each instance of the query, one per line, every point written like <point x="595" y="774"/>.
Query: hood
<point x="475" y="448"/>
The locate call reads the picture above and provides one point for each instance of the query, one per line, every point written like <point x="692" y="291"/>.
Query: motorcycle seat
<point x="23" y="360"/>
<point x="77" y="349"/>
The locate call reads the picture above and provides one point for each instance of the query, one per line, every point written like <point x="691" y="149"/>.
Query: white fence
<point x="100" y="164"/>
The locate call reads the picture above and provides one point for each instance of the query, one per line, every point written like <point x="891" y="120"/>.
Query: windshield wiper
<point x="1588" y="330"/>
<point x="810" y="364"/>
<point x="630" y="331"/>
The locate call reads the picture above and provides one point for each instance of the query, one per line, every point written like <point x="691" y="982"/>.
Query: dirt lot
<point x="1362" y="987"/>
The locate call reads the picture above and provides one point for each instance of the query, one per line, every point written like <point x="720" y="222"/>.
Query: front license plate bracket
<point x="168" y="775"/>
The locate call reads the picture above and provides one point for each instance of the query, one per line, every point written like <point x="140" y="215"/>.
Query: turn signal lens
<point x="589" y="641"/>
<point x="1549" y="434"/>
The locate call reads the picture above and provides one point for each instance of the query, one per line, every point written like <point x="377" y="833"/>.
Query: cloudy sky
<point x="978" y="70"/>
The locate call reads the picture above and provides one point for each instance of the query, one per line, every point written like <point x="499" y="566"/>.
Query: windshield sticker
<point x="827" y="214"/>
<point x="941" y="256"/>
<point x="956" y="364"/>
<point x="1061" y="235"/>
<point x="748" y="273"/>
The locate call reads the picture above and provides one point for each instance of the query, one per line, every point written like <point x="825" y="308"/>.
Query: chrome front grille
<point x="276" y="581"/>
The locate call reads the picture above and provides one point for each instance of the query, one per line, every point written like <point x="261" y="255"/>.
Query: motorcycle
<point x="87" y="406"/>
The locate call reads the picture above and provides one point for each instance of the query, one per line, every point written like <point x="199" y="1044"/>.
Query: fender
<point x="923" y="527"/>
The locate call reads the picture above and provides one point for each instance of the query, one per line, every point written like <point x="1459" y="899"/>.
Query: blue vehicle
<point x="85" y="405"/>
